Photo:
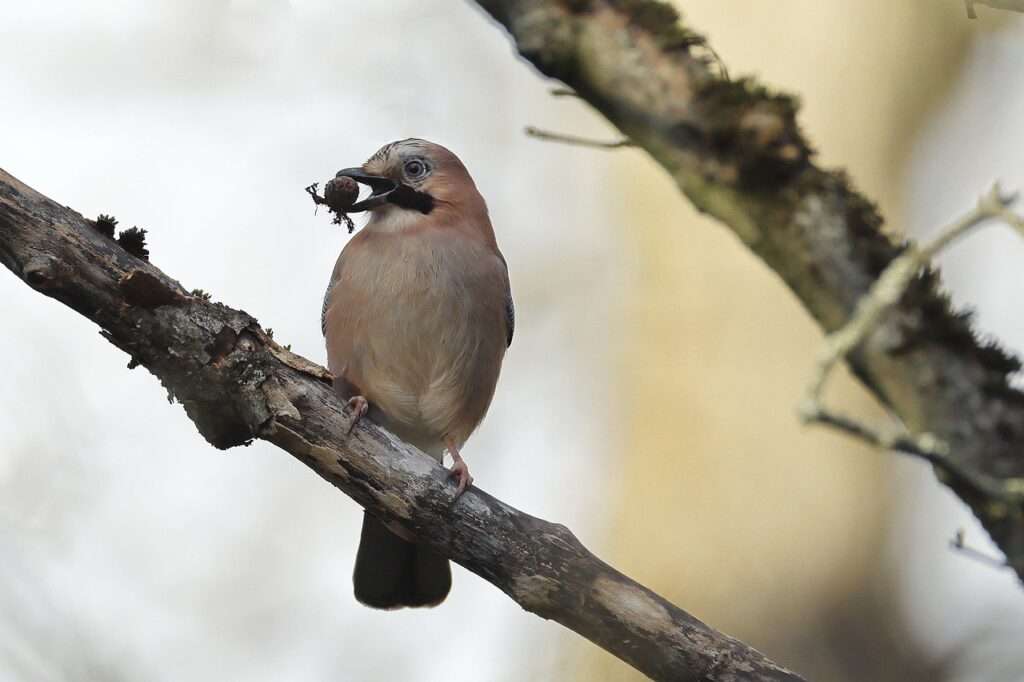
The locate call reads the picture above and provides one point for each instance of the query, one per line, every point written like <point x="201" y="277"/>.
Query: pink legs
<point x="459" y="470"/>
<point x="359" y="406"/>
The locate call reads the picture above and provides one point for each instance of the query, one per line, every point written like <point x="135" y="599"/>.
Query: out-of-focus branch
<point x="236" y="384"/>
<point x="736" y="151"/>
<point x="1012" y="5"/>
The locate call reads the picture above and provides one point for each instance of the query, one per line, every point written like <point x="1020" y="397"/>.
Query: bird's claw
<point x="460" y="472"/>
<point x="359" y="406"/>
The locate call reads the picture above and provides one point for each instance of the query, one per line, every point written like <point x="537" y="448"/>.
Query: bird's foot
<point x="359" y="406"/>
<point x="459" y="470"/>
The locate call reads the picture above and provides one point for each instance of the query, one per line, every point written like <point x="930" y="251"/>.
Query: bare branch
<point x="237" y="384"/>
<point x="734" y="148"/>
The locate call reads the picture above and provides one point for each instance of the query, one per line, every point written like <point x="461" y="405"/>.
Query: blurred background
<point x="648" y="399"/>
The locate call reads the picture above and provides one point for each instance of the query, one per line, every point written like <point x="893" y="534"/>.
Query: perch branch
<point x="237" y="384"/>
<point x="734" y="148"/>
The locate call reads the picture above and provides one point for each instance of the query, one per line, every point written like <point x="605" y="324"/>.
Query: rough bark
<point x="237" y="384"/>
<point x="736" y="151"/>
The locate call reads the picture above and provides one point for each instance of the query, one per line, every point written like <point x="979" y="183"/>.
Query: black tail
<point x="392" y="572"/>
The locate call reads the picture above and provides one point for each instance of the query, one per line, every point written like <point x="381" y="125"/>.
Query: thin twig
<point x="924" y="446"/>
<point x="577" y="141"/>
<point x="563" y="92"/>
<point x="959" y="545"/>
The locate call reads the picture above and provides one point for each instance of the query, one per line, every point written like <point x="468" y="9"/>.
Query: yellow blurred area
<point x="727" y="506"/>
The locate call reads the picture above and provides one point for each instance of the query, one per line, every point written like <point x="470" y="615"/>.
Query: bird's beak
<point x="382" y="188"/>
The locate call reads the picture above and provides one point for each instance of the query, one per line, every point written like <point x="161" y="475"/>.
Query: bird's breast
<point x="415" y="323"/>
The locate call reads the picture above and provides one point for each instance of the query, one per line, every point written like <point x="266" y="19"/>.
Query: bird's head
<point x="414" y="177"/>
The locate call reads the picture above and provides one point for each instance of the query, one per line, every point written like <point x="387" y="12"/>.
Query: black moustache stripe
<point x="407" y="197"/>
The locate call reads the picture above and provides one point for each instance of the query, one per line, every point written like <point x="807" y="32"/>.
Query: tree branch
<point x="237" y="384"/>
<point x="735" y="150"/>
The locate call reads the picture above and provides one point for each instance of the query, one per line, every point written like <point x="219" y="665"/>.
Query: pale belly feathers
<point x="414" y="325"/>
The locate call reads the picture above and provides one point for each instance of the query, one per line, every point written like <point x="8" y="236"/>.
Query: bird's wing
<point x="510" y="318"/>
<point x="335" y="278"/>
<point x="510" y="306"/>
<point x="327" y="303"/>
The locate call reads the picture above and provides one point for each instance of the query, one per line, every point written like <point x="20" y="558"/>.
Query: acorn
<point x="340" y="193"/>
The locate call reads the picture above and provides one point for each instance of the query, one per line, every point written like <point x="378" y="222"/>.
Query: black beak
<point x="382" y="188"/>
<point x="386" y="190"/>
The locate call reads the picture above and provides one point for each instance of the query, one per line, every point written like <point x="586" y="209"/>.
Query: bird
<point x="417" y="318"/>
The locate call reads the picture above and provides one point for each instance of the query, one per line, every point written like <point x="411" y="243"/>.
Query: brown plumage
<point x="417" y="318"/>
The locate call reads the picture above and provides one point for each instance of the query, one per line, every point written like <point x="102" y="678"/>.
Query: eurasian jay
<point x="417" y="317"/>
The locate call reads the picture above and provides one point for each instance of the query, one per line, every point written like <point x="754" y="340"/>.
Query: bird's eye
<point x="414" y="168"/>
